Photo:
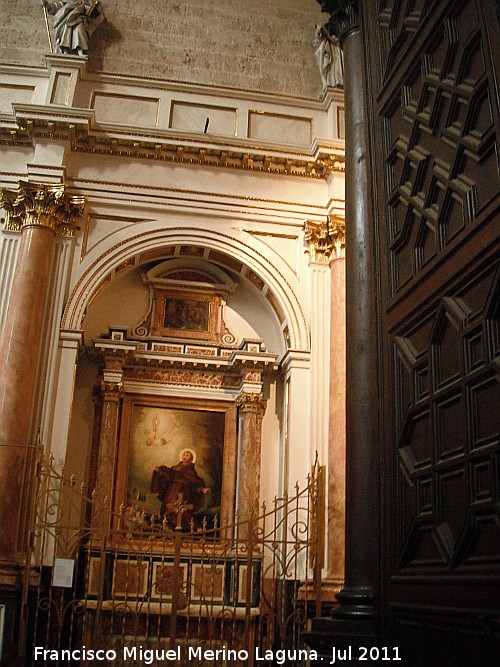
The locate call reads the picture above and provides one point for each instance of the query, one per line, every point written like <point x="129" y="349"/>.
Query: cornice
<point x="79" y="128"/>
<point x="181" y="354"/>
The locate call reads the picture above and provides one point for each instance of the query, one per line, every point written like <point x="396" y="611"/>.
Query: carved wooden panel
<point x="435" y="128"/>
<point x="440" y="146"/>
<point x="398" y="21"/>
<point x="446" y="399"/>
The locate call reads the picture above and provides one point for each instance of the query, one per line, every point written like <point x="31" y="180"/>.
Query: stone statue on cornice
<point x="329" y="57"/>
<point x="74" y="23"/>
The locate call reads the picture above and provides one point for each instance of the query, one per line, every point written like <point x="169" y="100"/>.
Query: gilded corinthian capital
<point x="35" y="204"/>
<point x="251" y="402"/>
<point x="336" y="231"/>
<point x="326" y="239"/>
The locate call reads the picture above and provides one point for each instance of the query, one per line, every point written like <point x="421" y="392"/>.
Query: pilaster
<point x="320" y="250"/>
<point x="296" y="365"/>
<point x="9" y="250"/>
<point x="58" y="411"/>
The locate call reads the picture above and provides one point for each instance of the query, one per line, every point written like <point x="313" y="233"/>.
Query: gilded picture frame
<point x="155" y="432"/>
<point x="187" y="314"/>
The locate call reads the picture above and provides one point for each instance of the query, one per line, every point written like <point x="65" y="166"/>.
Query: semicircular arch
<point x="274" y="278"/>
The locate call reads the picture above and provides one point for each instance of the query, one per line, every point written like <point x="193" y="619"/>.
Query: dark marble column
<point x="354" y="621"/>
<point x="39" y="212"/>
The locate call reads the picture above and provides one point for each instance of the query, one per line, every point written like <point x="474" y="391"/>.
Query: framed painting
<point x="187" y="315"/>
<point x="171" y="453"/>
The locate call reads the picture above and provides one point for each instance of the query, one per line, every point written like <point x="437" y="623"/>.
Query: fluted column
<point x="251" y="410"/>
<point x="39" y="212"/>
<point x="337" y="422"/>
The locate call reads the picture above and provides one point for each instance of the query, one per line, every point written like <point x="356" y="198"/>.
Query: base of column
<point x="350" y="635"/>
<point x="330" y="589"/>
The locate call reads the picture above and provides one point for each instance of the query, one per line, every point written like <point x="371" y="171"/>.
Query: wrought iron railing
<point x="141" y="592"/>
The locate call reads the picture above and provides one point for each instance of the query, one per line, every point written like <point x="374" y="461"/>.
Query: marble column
<point x="251" y="410"/>
<point x="354" y="621"/>
<point x="112" y="393"/>
<point x="39" y="212"/>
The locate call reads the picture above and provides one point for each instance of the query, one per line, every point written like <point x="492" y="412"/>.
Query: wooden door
<point x="433" y="69"/>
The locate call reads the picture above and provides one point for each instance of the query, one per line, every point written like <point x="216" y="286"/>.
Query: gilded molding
<point x="34" y="122"/>
<point x="38" y="205"/>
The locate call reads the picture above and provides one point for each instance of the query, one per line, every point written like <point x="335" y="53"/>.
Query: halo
<point x="191" y="451"/>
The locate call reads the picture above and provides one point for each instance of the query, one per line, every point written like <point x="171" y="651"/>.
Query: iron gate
<point x="126" y="589"/>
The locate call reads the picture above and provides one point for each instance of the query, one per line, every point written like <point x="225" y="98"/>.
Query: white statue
<point x="329" y="57"/>
<point x="74" y="23"/>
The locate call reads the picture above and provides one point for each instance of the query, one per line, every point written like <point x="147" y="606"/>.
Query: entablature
<point x="161" y="120"/>
<point x="176" y="362"/>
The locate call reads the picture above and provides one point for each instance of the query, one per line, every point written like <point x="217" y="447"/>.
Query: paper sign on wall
<point x="63" y="572"/>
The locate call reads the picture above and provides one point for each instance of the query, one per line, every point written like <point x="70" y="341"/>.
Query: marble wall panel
<point x="193" y="118"/>
<point x="290" y="129"/>
<point x="126" y="109"/>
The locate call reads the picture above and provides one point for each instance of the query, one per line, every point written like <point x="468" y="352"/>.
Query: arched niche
<point x="274" y="281"/>
<point x="126" y="298"/>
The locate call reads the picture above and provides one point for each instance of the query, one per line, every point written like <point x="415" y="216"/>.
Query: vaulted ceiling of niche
<point x="125" y="301"/>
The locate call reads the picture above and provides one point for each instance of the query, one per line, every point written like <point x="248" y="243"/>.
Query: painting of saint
<point x="175" y="451"/>
<point x="181" y="492"/>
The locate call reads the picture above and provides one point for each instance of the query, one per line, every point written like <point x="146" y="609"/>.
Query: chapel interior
<point x="250" y="331"/>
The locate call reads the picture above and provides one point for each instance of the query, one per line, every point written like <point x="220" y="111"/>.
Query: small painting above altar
<point x="183" y="314"/>
<point x="187" y="300"/>
<point x="186" y="314"/>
